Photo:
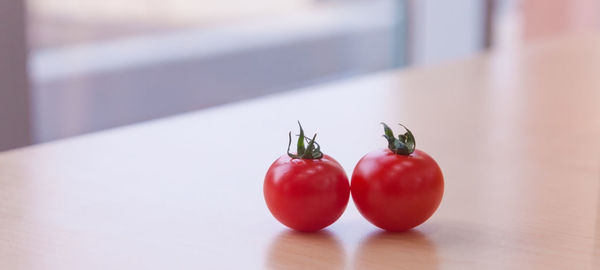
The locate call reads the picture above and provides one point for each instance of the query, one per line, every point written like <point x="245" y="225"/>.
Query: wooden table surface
<point x="516" y="132"/>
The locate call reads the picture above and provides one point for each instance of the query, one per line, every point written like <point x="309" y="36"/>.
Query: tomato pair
<point x="396" y="188"/>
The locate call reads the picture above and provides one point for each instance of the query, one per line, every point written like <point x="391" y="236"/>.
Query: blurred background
<point x="70" y="67"/>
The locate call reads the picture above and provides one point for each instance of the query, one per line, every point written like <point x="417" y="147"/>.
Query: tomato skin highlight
<point x="397" y="192"/>
<point x="306" y="194"/>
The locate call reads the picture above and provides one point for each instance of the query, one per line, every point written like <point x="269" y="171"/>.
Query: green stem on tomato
<point x="311" y="151"/>
<point x="404" y="145"/>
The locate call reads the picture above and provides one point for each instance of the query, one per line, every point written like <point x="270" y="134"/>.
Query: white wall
<point x="444" y="30"/>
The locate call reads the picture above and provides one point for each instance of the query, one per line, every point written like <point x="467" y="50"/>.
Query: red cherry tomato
<point x="307" y="191"/>
<point x="398" y="188"/>
<point x="306" y="195"/>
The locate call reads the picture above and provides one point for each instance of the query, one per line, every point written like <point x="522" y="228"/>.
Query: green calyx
<point x="311" y="151"/>
<point x="403" y="145"/>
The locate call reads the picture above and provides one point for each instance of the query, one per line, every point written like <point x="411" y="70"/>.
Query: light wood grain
<point x="517" y="134"/>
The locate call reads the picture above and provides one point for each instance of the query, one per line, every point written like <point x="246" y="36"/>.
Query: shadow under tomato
<point x="388" y="250"/>
<point x="297" y="250"/>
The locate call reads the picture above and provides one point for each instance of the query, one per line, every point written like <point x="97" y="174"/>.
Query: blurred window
<point x="102" y="63"/>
